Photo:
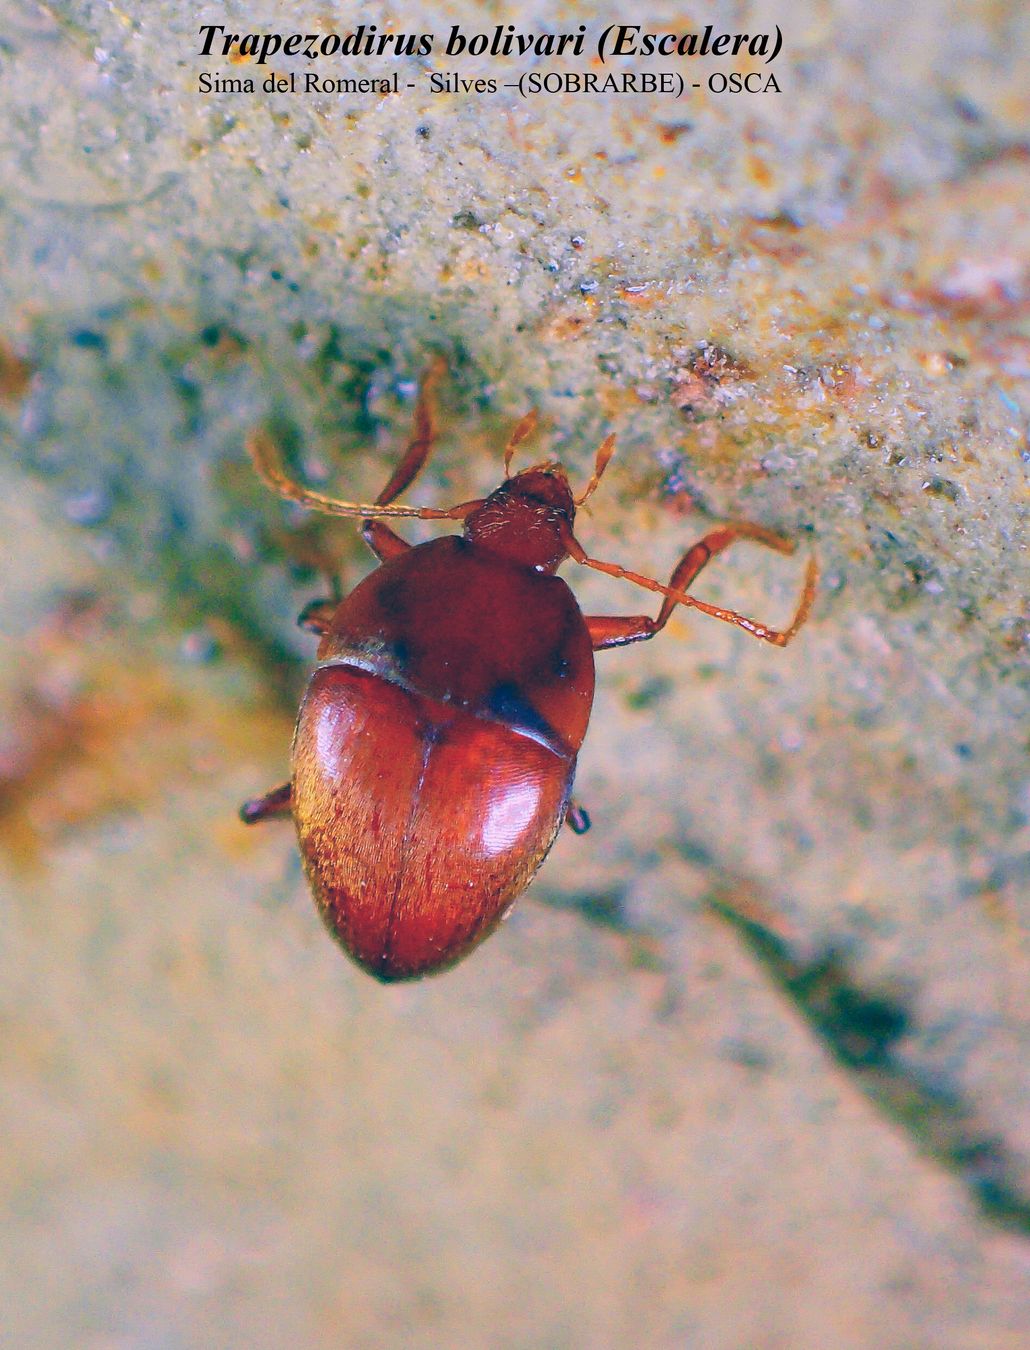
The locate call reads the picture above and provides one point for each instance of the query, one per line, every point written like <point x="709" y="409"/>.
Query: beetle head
<point x="527" y="519"/>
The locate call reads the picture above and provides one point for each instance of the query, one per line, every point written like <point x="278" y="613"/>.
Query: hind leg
<point x="271" y="806"/>
<point x="578" y="820"/>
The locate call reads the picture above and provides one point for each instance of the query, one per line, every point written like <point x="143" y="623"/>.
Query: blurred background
<point x="747" y="1067"/>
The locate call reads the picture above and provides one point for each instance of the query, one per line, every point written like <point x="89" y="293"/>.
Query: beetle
<point x="436" y="743"/>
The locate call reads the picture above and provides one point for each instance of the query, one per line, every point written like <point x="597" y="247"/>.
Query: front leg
<point x="619" y="630"/>
<point x="384" y="542"/>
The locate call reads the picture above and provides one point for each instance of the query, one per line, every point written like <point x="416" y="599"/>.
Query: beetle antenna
<point x="525" y="428"/>
<point x="601" y="463"/>
<point x="265" y="456"/>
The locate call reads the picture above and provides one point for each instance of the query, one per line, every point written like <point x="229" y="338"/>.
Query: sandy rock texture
<point x="748" y="1065"/>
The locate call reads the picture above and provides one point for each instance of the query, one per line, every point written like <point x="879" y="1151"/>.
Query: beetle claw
<point x="577" y="820"/>
<point x="316" y="616"/>
<point x="272" y="804"/>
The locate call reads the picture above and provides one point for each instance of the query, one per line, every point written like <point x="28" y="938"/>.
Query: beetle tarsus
<point x="384" y="542"/>
<point x="316" y="616"/>
<point x="577" y="820"/>
<point x="271" y="806"/>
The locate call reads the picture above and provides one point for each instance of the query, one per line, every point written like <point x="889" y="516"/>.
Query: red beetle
<point x="436" y="744"/>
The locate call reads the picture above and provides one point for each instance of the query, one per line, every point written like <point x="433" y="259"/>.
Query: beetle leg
<point x="423" y="434"/>
<point x="620" y="630"/>
<point x="272" y="804"/>
<point x="317" y="615"/>
<point x="577" y="819"/>
<point x="266" y="457"/>
<point x="384" y="542"/>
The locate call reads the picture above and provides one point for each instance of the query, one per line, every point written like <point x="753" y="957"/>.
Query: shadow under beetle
<point x="436" y="743"/>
